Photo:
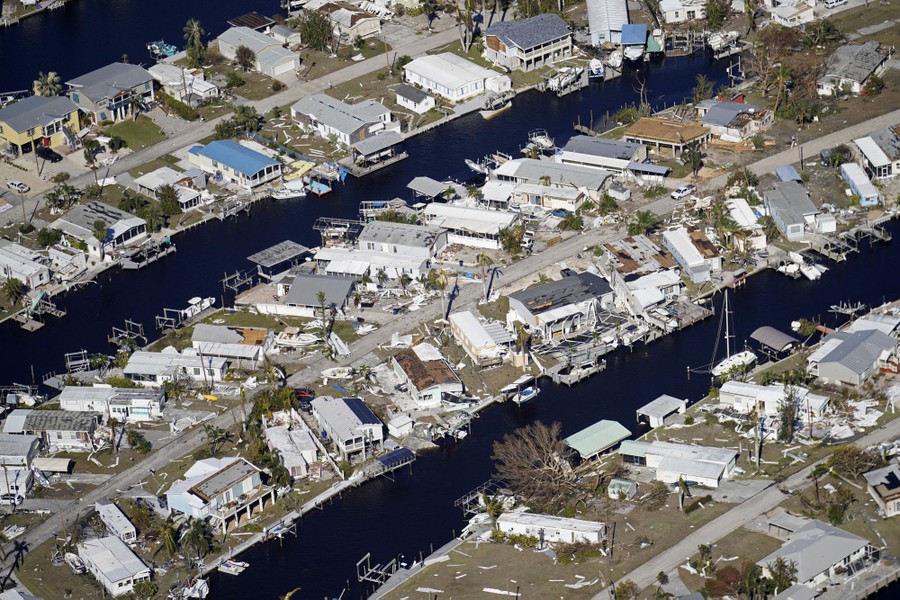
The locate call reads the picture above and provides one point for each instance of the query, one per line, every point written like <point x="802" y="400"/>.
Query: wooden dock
<point x="147" y="255"/>
<point x="361" y="171"/>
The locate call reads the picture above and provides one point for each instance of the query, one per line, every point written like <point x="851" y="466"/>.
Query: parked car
<point x="18" y="186"/>
<point x="48" y="154"/>
<point x="561" y="213"/>
<point x="304" y="394"/>
<point x="683" y="191"/>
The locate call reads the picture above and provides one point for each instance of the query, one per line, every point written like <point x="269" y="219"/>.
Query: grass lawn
<point x="163" y="161"/>
<point x="215" y="109"/>
<point x="139" y="133"/>
<point x="111" y="195"/>
<point x="849" y="21"/>
<point x="678" y="171"/>
<point x="256" y="86"/>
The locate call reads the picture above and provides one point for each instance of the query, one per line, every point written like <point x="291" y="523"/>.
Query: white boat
<point x="810" y="272"/>
<point x="197" y="305"/>
<point x="541" y="139"/>
<point x="722" y="39"/>
<point x="522" y="390"/>
<point x="596" y="68"/>
<point x="564" y="77"/>
<point x="475" y="166"/>
<point x="199" y="589"/>
<point x="615" y="59"/>
<point x="75" y="563"/>
<point x="494" y="104"/>
<point x="286" y="193"/>
<point x="233" y="567"/>
<point x="634" y="53"/>
<point x="789" y="269"/>
<point x="338" y="373"/>
<point x="526" y="395"/>
<point x="739" y="360"/>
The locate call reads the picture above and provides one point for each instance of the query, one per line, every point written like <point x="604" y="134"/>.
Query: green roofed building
<point x="598" y="438"/>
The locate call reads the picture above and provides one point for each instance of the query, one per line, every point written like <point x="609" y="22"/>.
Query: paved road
<point x="737" y="517"/>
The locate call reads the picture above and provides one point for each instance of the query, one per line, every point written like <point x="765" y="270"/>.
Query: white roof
<point x="607" y="15"/>
<point x="683" y="245"/>
<point x="113" y="516"/>
<point x="244" y="36"/>
<point x="689" y="468"/>
<point x="427" y="352"/>
<point x="112" y="558"/>
<point x="721" y="456"/>
<point x="741" y="212"/>
<point x="883" y="323"/>
<point x="161" y="176"/>
<point x="474" y="220"/>
<point x="656" y="279"/>
<point x="245" y="351"/>
<point x="873" y="153"/>
<point x="14" y="449"/>
<point x="291" y="444"/>
<point x="472" y="329"/>
<point x="497" y="191"/>
<point x="551" y="522"/>
<point x="662" y="406"/>
<point x="367" y="257"/>
<point x="449" y="70"/>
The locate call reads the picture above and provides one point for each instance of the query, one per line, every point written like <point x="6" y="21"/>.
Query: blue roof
<point x="240" y="158"/>
<point x="788" y="173"/>
<point x="361" y="411"/>
<point x="634" y="33"/>
<point x="397" y="457"/>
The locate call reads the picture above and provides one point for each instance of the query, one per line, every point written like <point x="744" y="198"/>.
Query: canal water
<point x="409" y="515"/>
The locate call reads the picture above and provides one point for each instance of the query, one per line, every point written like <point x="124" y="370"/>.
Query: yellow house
<point x="37" y="120"/>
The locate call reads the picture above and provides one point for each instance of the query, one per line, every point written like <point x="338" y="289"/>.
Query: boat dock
<point x="363" y="170"/>
<point x="577" y="370"/>
<point x="147" y="254"/>
<point x="32" y="318"/>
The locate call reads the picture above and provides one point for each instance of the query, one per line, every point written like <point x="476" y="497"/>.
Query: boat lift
<point x="469" y="502"/>
<point x="77" y="362"/>
<point x="237" y="280"/>
<point x="377" y="574"/>
<point x="131" y="331"/>
<point x="170" y="319"/>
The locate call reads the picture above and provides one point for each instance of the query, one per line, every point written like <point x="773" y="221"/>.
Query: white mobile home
<point x="551" y="529"/>
<point x="117" y="523"/>
<point x="114" y="565"/>
<point x="126" y="405"/>
<point x="453" y="77"/>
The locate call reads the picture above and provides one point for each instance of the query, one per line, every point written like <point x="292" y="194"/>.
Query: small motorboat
<point x="596" y="68"/>
<point x="338" y="373"/>
<point x="287" y="193"/>
<point x="197" y="305"/>
<point x="75" y="563"/>
<point x="233" y="567"/>
<point x="615" y="59"/>
<point x="494" y="104"/>
<point x="722" y="39"/>
<point x="160" y="49"/>
<point x="634" y="53"/>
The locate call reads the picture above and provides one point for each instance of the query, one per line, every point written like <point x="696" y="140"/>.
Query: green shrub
<point x="178" y="107"/>
<point x="277" y="86"/>
<point x="689" y="420"/>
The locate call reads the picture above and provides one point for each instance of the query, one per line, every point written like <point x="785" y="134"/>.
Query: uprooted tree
<point x="852" y="460"/>
<point x="535" y="463"/>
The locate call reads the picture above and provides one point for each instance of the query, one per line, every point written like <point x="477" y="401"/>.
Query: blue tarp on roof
<point x="396" y="457"/>
<point x="788" y="173"/>
<point x="240" y="158"/>
<point x="634" y="33"/>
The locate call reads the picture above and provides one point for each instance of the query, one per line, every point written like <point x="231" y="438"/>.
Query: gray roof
<point x="427" y="186"/>
<point x="815" y="547"/>
<point x="724" y="112"/>
<point x="887" y="139"/>
<point x="82" y="217"/>
<point x="283" y="31"/>
<point x="346" y="118"/>
<point x="217" y="334"/>
<point x="244" y="36"/>
<point x="13" y="445"/>
<point x="306" y="287"/>
<point x="662" y="406"/>
<point x="61" y="420"/>
<point x="585" y="144"/>
<point x="410" y="93"/>
<point x="791" y="201"/>
<point x="110" y="81"/>
<point x="773" y="338"/>
<point x="377" y="142"/>
<point x="344" y="416"/>
<point x="385" y="232"/>
<point x="277" y="254"/>
<point x="531" y="170"/>
<point x="854" y="62"/>
<point x="858" y="351"/>
<point x="568" y="290"/>
<point x="36" y="111"/>
<point x="796" y="592"/>
<point x="530" y="33"/>
<point x="112" y="557"/>
<point x="223" y="480"/>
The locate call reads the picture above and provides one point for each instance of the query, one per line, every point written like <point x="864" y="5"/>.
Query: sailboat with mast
<point x="739" y="360"/>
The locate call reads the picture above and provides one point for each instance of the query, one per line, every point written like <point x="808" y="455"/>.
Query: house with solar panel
<point x="351" y="426"/>
<point x="248" y="168"/>
<point x="528" y="44"/>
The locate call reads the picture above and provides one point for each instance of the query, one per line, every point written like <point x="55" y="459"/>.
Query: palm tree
<point x="168" y="534"/>
<point x="817" y="473"/>
<point x="216" y="437"/>
<point x="661" y="579"/>
<point x="47" y="84"/>
<point x="693" y="155"/>
<point x="643" y="221"/>
<point x="381" y="277"/>
<point x="405" y="280"/>
<point x="198" y="537"/>
<point x="101" y="230"/>
<point x="484" y="261"/>
<point x="493" y="506"/>
<point x="193" y="37"/>
<point x="440" y="283"/>
<point x="14" y="290"/>
<point x="780" y="79"/>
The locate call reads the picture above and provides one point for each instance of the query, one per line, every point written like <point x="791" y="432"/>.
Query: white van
<point x="834" y="3"/>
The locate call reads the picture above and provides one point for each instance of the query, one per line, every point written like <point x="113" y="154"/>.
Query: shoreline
<point x="52" y="5"/>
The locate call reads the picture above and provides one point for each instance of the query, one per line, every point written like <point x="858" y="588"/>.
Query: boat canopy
<point x="774" y="339"/>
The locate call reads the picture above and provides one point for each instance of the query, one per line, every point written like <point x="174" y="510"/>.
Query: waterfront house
<point x="852" y="358"/>
<point x="303" y="289"/>
<point x="746" y="398"/>
<point x="637" y="255"/>
<point x="352" y="427"/>
<point x="117" y="523"/>
<point x="113" y="92"/>
<point x="294" y="446"/>
<point x="791" y="13"/>
<point x="858" y="182"/>
<point x="453" y="77"/>
<point x="153" y="369"/>
<point x="884" y="486"/>
<point x="271" y="58"/>
<point x="666" y="137"/>
<point x="531" y="170"/>
<point x="529" y="44"/>
<point x="550" y="529"/>
<point x="597" y="439"/>
<point x="348" y="124"/>
<point x="789" y="206"/>
<point x="642" y="293"/>
<point x="185" y="85"/>
<point x="485" y="343"/>
<point x="694" y="252"/>
<point x="123" y="228"/>
<point x="284" y="35"/>
<point x="347" y="20"/>
<point x="655" y="412"/>
<point x="126" y="405"/>
<point x="240" y="345"/>
<point x="472" y="227"/>
<point x="734" y="121"/>
<point x="275" y="261"/>
<point x="39" y="121"/>
<point x="414" y="99"/>
<point x="113" y="564"/>
<point x="561" y="307"/>
<point x="880" y="152"/>
<point x="24" y="264"/>
<point x="417" y="241"/>
<point x="601" y="153"/>
<point x="225" y="490"/>
<point x="606" y="19"/>
<point x="248" y="168"/>
<point x="17" y="454"/>
<point x="547" y="197"/>
<point x="821" y="552"/>
<point x="357" y="264"/>
<point x="850" y="66"/>
<point x="679" y="11"/>
<point x="183" y="182"/>
<point x="885" y="323"/>
<point x="59" y="430"/>
<point x="428" y="378"/>
<point x="702" y="465"/>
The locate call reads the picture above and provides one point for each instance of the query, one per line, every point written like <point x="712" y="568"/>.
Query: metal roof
<point x="562" y="292"/>
<point x="110" y="81"/>
<point x="412" y="94"/>
<point x="253" y="20"/>
<point x="277" y="254"/>
<point x="61" y="420"/>
<point x="344" y="416"/>
<point x="275" y="56"/>
<point x="14" y="449"/>
<point x="788" y="173"/>
<point x="472" y="328"/>
<point x="245" y="36"/>
<point x="113" y="516"/>
<point x="652" y="169"/>
<point x="888" y="140"/>
<point x="530" y="33"/>
<point x="223" y="480"/>
<point x="600" y="436"/>
<point x="885" y="323"/>
<point x="304" y="291"/>
<point x="532" y="170"/>
<point x="551" y="522"/>
<point x="633" y="34"/>
<point x="711" y="454"/>
<point x="774" y="339"/>
<point x="790" y="201"/>
<point x="607" y="15"/>
<point x="346" y="118"/>
<point x="816" y="547"/>
<point x="854" y="62"/>
<point x="240" y="158"/>
<point x="859" y="350"/>
<point x="36" y="111"/>
<point x="472" y="220"/>
<point x="634" y="448"/>
<point x="662" y="406"/>
<point x="595" y="146"/>
<point x="402" y="234"/>
<point x="427" y="186"/>
<point x="79" y="221"/>
<point x="690" y="468"/>
<point x="448" y="70"/>
<point x="796" y="592"/>
<point x="377" y="143"/>
<point x="112" y="558"/>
